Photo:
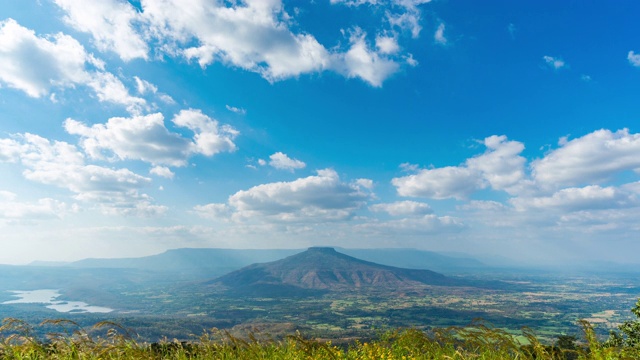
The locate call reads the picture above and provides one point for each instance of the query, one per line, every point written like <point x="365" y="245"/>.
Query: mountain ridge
<point x="321" y="269"/>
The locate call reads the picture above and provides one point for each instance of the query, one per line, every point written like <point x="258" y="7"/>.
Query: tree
<point x="629" y="335"/>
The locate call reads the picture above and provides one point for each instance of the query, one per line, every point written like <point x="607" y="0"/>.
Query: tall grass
<point x="107" y="340"/>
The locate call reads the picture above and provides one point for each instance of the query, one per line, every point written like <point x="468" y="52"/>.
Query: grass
<point x="107" y="340"/>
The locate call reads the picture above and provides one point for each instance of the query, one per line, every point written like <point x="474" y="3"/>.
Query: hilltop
<point x="322" y="269"/>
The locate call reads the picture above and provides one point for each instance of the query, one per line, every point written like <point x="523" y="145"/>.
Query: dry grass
<point x="107" y="340"/>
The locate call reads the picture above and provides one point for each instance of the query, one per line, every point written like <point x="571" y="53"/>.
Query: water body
<point x="50" y="297"/>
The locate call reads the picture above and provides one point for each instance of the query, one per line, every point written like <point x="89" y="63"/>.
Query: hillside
<point x="205" y="263"/>
<point x="322" y="269"/>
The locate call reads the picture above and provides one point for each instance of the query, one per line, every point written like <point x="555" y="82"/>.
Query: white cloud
<point x="210" y="137"/>
<point x="439" y="35"/>
<point x="483" y="205"/>
<point x="254" y="36"/>
<point x="144" y="87"/>
<point x="365" y="183"/>
<point x="10" y="150"/>
<point x="634" y="59"/>
<point x="590" y="159"/>
<point x="213" y="211"/>
<point x="109" y="88"/>
<point x="35" y="65"/>
<point x="283" y="162"/>
<point x="365" y="63"/>
<point x="110" y="23"/>
<point x="404" y="14"/>
<point x="500" y="167"/>
<point x="166" y="99"/>
<point x="146" y="138"/>
<point x="162" y="171"/>
<point x="554" y="62"/>
<point x="403" y="208"/>
<point x="314" y="199"/>
<point x="236" y="110"/>
<point x="407" y="167"/>
<point x="41" y="209"/>
<point x="7" y="196"/>
<point x="591" y="197"/>
<point x="61" y="164"/>
<point x="441" y="183"/>
<point x="140" y="138"/>
<point x="409" y="16"/>
<point x="387" y="44"/>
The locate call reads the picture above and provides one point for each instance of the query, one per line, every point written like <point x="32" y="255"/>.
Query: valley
<point x="328" y="295"/>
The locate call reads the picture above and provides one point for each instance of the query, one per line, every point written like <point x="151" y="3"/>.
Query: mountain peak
<point x="322" y="249"/>
<point x="324" y="268"/>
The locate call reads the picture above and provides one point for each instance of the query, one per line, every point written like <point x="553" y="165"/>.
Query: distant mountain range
<point x="321" y="269"/>
<point x="203" y="263"/>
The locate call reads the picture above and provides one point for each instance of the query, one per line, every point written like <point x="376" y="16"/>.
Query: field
<point x="549" y="304"/>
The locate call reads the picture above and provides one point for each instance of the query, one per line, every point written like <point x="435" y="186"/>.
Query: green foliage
<point x="107" y="340"/>
<point x="630" y="330"/>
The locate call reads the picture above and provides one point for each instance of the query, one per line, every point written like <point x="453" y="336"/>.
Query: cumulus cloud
<point x="140" y="138"/>
<point x="110" y="23"/>
<point x="441" y="183"/>
<point x="145" y="87"/>
<point x="46" y="208"/>
<point x="403" y="208"/>
<point x="316" y="199"/>
<point x="554" y="62"/>
<point x="110" y="89"/>
<point x="162" y="171"/>
<point x="283" y="162"/>
<point x="589" y="159"/>
<point x="61" y="164"/>
<point x="590" y="197"/>
<point x="35" y="65"/>
<point x="146" y="138"/>
<point x="365" y="183"/>
<point x="634" y="59"/>
<point x="500" y="167"/>
<point x="210" y="137"/>
<point x="213" y="211"/>
<point x="387" y="44"/>
<point x="363" y="62"/>
<point x="253" y="35"/>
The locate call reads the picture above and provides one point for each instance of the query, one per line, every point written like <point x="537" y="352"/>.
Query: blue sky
<point x="495" y="128"/>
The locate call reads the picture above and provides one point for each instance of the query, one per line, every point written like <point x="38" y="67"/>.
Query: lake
<point x="49" y="298"/>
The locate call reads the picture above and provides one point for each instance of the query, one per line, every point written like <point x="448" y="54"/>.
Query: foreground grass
<point x="477" y="341"/>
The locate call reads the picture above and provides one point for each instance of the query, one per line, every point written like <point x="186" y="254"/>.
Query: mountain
<point x="321" y="269"/>
<point x="189" y="263"/>
<point x="205" y="263"/>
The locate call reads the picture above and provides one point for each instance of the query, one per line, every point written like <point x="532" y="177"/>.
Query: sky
<point x="499" y="129"/>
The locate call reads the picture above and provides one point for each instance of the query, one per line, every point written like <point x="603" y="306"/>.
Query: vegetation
<point x="107" y="340"/>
